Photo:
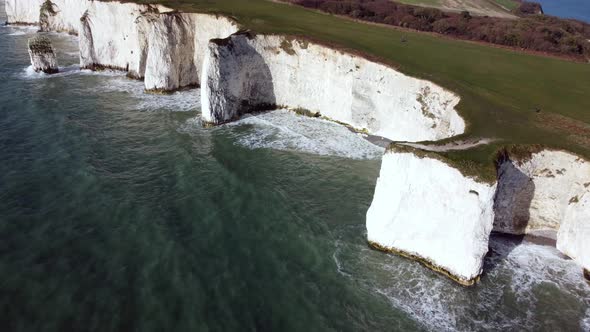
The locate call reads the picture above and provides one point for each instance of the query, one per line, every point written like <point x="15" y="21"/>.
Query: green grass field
<point x="422" y="2"/>
<point x="514" y="97"/>
<point x="510" y="4"/>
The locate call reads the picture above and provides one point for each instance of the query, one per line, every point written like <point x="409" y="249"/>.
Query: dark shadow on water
<point x="495" y="257"/>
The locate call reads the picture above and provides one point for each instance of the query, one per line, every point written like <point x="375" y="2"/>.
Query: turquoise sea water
<point x="577" y="9"/>
<point x="120" y="212"/>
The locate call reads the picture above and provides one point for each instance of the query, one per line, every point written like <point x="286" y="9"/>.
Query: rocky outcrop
<point x="428" y="210"/>
<point x="247" y="72"/>
<point x="43" y="57"/>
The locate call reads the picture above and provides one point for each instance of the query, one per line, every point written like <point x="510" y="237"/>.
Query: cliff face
<point x="536" y="194"/>
<point x="550" y="191"/>
<point x="62" y="15"/>
<point x="172" y="47"/>
<point x="108" y="35"/>
<point x="162" y="47"/>
<point x="427" y="209"/>
<point x="23" y="11"/>
<point x="573" y="238"/>
<point x="245" y="72"/>
<point x="153" y="43"/>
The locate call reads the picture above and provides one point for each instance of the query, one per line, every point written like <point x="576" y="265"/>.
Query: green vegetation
<point x="509" y="4"/>
<point x="306" y="112"/>
<point x="436" y="3"/>
<point x="514" y="97"/>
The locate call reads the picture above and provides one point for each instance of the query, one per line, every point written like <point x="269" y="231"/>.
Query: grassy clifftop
<point x="514" y="97"/>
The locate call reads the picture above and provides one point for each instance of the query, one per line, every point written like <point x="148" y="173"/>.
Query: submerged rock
<point x="42" y="55"/>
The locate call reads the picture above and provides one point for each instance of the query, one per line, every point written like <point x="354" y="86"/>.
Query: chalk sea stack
<point x="42" y="55"/>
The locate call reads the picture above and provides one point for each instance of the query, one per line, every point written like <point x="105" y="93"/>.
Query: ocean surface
<point x="577" y="9"/>
<point x="120" y="212"/>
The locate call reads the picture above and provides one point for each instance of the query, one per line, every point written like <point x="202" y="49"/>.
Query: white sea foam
<point x="15" y="30"/>
<point x="191" y="126"/>
<point x="21" y="29"/>
<point x="117" y="82"/>
<point x="339" y="267"/>
<point x="285" y="130"/>
<point x="521" y="282"/>
<point x="30" y="74"/>
<point x="179" y="101"/>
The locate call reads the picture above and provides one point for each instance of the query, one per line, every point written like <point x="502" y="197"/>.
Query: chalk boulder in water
<point x="426" y="209"/>
<point x="42" y="55"/>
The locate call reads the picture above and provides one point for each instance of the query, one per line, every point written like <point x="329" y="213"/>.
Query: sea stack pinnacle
<point x="42" y="55"/>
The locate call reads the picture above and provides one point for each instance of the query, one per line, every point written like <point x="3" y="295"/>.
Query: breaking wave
<point x="30" y="74"/>
<point x="17" y="30"/>
<point x="522" y="281"/>
<point x="179" y="101"/>
<point x="117" y="82"/>
<point x="287" y="131"/>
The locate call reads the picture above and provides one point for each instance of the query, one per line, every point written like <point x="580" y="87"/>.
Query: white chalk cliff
<point x="548" y="191"/>
<point x="23" y="11"/>
<point x="247" y="72"/>
<point x="425" y="208"/>
<point x="150" y="42"/>
<point x="535" y="194"/>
